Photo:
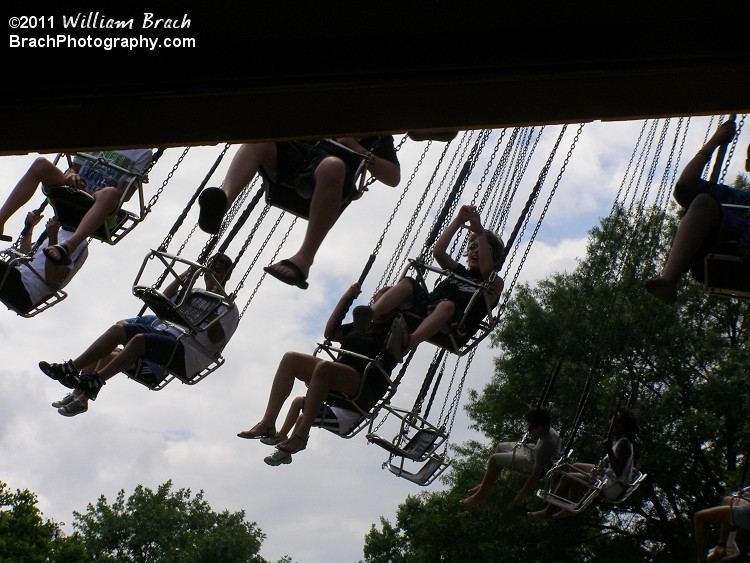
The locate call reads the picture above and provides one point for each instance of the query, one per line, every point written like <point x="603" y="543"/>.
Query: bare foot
<point x="260" y="430"/>
<point x="473" y="500"/>
<point x="540" y="515"/>
<point x="718" y="553"/>
<point x="662" y="288"/>
<point x="293" y="445"/>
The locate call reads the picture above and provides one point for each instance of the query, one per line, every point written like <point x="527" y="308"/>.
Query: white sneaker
<point x="278" y="458"/>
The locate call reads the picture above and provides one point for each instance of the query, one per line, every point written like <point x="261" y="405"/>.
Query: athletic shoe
<point x="90" y="385"/>
<point x="73" y="408"/>
<point x="66" y="400"/>
<point x="278" y="458"/>
<point x="66" y="373"/>
<point x="273" y="440"/>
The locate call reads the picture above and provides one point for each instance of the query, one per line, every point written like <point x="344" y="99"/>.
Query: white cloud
<point x="319" y="507"/>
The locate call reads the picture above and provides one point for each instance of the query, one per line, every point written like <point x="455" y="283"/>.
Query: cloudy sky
<point x="319" y="508"/>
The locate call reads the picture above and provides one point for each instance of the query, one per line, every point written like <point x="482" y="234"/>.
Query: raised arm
<point x="32" y="220"/>
<point x="381" y="169"/>
<point x="486" y="264"/>
<point x="334" y="320"/>
<point x="442" y="257"/>
<point x="694" y="169"/>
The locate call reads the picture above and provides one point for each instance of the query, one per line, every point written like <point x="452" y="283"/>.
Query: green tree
<point x="684" y="367"/>
<point x="26" y="536"/>
<point x="166" y="526"/>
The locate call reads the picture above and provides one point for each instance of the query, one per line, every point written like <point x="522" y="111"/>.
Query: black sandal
<point x="285" y="447"/>
<point x="62" y="251"/>
<point x="267" y="432"/>
<point x="298" y="278"/>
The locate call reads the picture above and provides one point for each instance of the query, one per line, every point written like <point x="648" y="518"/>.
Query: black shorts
<point x="730" y="237"/>
<point x="296" y="162"/>
<point x="160" y="346"/>
<point x="13" y="292"/>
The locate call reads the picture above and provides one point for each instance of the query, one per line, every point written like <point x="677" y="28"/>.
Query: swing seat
<point x="727" y="275"/>
<point x="143" y="374"/>
<point x="455" y="341"/>
<point x="295" y="197"/>
<point x="435" y="466"/>
<point x="416" y="440"/>
<point x="418" y="448"/>
<point x="375" y="388"/>
<point x="189" y="308"/>
<point x="13" y="258"/>
<point x="563" y="469"/>
<point x="630" y="488"/>
<point x="70" y="206"/>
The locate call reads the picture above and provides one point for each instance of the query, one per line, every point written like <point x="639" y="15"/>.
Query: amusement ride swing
<point x="417" y="439"/>
<point x="70" y="205"/>
<point x="184" y="310"/>
<point x="726" y="273"/>
<point x="597" y="481"/>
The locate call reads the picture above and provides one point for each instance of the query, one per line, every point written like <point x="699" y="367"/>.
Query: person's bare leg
<point x="41" y="171"/>
<point x="324" y="211"/>
<point x="106" y="202"/>
<point x="716" y="514"/>
<point x="391" y="300"/>
<point x="327" y="376"/>
<point x="293" y="365"/>
<point x="700" y="220"/>
<point x="491" y="475"/>
<point x="133" y="349"/>
<point x="245" y="165"/>
<point x="102" y="347"/>
<point x="432" y="324"/>
<point x="687" y="183"/>
<point x="292" y="416"/>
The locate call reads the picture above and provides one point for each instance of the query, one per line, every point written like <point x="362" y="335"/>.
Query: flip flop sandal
<point x="5" y="238"/>
<point x="213" y="205"/>
<point x="62" y="251"/>
<point x="285" y="447"/>
<point x="299" y="279"/>
<point x="267" y="432"/>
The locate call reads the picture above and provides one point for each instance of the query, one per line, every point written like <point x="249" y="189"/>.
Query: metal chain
<point x="731" y="149"/>
<point x="273" y="258"/>
<point x="183" y="215"/>
<point x="627" y="169"/>
<point x="155" y="197"/>
<point x="544" y="210"/>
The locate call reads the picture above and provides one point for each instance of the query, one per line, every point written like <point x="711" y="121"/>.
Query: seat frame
<point x="71" y="205"/>
<point x="285" y="197"/>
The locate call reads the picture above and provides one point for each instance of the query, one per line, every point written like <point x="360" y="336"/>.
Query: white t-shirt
<point x="197" y="347"/>
<point x="39" y="290"/>
<point x="98" y="176"/>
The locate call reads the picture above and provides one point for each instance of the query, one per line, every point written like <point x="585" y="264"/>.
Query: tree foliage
<point x="26" y="536"/>
<point x="683" y="367"/>
<point x="166" y="526"/>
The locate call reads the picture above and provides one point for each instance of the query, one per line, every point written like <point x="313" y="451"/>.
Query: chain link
<point x="155" y="197"/>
